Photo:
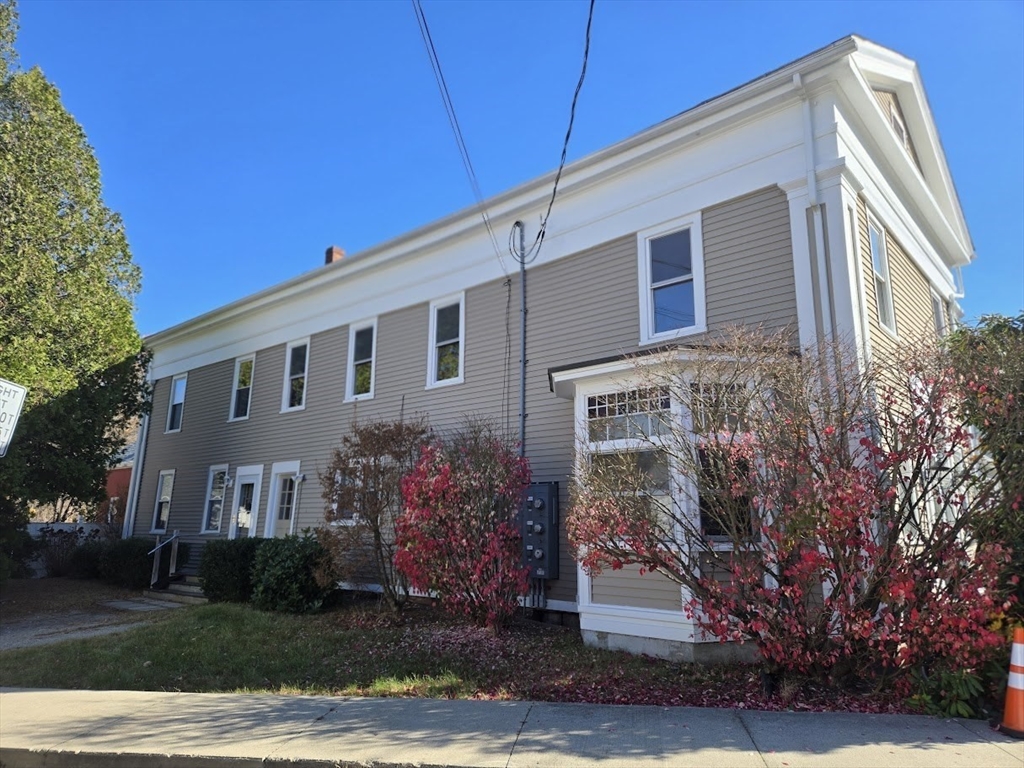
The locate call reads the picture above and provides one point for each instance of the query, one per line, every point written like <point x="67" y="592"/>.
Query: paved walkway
<point x="116" y="729"/>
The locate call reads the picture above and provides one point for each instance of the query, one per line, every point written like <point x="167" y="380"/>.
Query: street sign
<point x="12" y="397"/>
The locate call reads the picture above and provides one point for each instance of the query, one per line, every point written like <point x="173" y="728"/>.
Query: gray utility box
<point x="539" y="526"/>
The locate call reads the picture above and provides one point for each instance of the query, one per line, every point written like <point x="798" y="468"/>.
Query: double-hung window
<point x="362" y="353"/>
<point x="162" y="508"/>
<point x="623" y="431"/>
<point x="176" y="407"/>
<point x="296" y="360"/>
<point x="446" y="355"/>
<point x="216" y="486"/>
<point x="883" y="284"/>
<point x="671" y="277"/>
<point x="241" y="392"/>
<point x="939" y="315"/>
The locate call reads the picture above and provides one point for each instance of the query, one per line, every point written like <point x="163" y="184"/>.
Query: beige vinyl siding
<point x="911" y="294"/>
<point x="888" y="100"/>
<point x="582" y="307"/>
<point x="748" y="258"/>
<point x="629" y="588"/>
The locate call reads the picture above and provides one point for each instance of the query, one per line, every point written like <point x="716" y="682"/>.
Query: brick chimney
<point x="333" y="254"/>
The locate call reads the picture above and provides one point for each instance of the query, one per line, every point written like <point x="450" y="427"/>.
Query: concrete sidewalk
<point x="176" y="730"/>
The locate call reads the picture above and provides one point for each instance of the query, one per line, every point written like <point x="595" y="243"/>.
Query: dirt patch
<point x="24" y="598"/>
<point x="42" y="611"/>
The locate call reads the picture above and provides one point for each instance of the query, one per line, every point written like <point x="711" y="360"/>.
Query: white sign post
<point x="12" y="397"/>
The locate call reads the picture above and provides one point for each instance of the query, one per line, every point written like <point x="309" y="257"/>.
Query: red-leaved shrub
<point x="457" y="536"/>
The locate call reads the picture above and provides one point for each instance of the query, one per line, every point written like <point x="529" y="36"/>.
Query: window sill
<point x="357" y="398"/>
<point x="237" y="418"/>
<point x="209" y="533"/>
<point x="293" y="410"/>
<point x="445" y="383"/>
<point x="155" y="532"/>
<point x="890" y="331"/>
<point x="661" y="338"/>
<point x="172" y="431"/>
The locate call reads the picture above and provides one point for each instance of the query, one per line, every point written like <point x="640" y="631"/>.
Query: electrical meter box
<point x="539" y="526"/>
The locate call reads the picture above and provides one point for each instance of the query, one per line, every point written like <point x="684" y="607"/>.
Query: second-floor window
<point x="883" y="285"/>
<point x="242" y="390"/>
<point x="295" y="363"/>
<point x="939" y="314"/>
<point x="447" y="329"/>
<point x="176" y="407"/>
<point x="362" y="347"/>
<point x="671" y="280"/>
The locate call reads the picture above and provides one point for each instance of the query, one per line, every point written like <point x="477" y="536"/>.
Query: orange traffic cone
<point x="1013" y="715"/>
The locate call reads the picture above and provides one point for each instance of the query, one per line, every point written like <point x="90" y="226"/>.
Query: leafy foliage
<point x="16" y="545"/>
<point x="66" y="327"/>
<point x="989" y="360"/>
<point x="127" y="563"/>
<point x="284" y="575"/>
<point x="225" y="569"/>
<point x="362" y="488"/>
<point x="58" y="550"/>
<point x="829" y="513"/>
<point x="457" y="537"/>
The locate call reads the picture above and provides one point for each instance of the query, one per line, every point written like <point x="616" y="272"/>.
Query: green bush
<point x="127" y="563"/>
<point x="225" y="569"/>
<point x="58" y="550"/>
<point x="17" y="547"/>
<point x="284" y="575"/>
<point x="84" y="561"/>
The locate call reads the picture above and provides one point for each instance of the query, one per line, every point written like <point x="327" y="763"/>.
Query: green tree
<point x="990" y="360"/>
<point x="67" y="290"/>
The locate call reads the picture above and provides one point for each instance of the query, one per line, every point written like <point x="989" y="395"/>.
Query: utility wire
<point x="531" y="254"/>
<point x="453" y="120"/>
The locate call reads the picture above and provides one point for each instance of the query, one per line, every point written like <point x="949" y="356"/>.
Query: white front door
<point x="246" y="503"/>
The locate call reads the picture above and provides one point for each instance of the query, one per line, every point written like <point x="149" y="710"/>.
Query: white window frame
<point x="170" y="500"/>
<point x="350" y="375"/>
<point x="234" y="386"/>
<point x="435" y="305"/>
<point x="278" y="470"/>
<point x="644" y="237"/>
<point x="884" y="276"/>
<point x="899" y="126"/>
<point x="286" y="387"/>
<point x="209" y="497"/>
<point x="940" y="315"/>
<point x="170" y="404"/>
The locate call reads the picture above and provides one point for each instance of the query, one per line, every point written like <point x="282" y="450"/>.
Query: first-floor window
<point x="725" y="511"/>
<point x="215" y="489"/>
<point x="164" y="489"/>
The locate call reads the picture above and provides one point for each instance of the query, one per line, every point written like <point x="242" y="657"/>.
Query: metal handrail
<point x="162" y="544"/>
<point x="173" y="567"/>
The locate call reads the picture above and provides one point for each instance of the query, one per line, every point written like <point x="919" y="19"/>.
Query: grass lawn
<point x="357" y="650"/>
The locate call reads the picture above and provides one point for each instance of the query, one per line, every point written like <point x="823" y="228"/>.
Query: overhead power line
<point x="453" y="120"/>
<point x="530" y="255"/>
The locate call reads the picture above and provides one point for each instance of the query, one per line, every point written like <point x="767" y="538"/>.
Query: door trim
<point x="250" y="469"/>
<point x="278" y="469"/>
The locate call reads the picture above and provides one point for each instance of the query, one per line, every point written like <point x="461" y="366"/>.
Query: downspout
<point x="136" y="478"/>
<point x="814" y="205"/>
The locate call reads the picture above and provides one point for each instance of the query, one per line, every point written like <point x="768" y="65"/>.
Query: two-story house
<point x="815" y="198"/>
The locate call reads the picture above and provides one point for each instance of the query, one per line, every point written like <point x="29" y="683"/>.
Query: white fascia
<point x="862" y="120"/>
<point x="889" y="70"/>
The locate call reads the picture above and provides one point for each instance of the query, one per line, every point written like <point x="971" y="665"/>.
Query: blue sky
<point x="239" y="140"/>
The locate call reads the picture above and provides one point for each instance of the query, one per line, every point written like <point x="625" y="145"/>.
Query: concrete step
<point x="176" y="593"/>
